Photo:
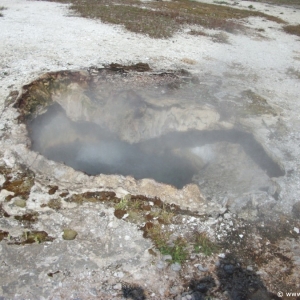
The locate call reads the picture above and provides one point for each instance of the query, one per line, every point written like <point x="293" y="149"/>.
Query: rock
<point x="176" y="267"/>
<point x="249" y="268"/>
<point x="119" y="274"/>
<point x="167" y="257"/>
<point x="69" y="234"/>
<point x="20" y="202"/>
<point x="117" y="286"/>
<point x="174" y="290"/>
<point x="202" y="269"/>
<point x="229" y="269"/>
<point x="93" y="292"/>
<point x="227" y="216"/>
<point x="2" y="180"/>
<point x="197" y="296"/>
<point x="160" y="264"/>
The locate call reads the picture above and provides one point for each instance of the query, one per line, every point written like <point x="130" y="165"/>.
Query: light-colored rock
<point x="20" y="202"/>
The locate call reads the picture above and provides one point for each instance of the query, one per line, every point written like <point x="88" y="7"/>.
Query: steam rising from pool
<point x="176" y="158"/>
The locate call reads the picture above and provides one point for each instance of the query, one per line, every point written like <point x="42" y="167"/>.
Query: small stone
<point x="20" y="203"/>
<point x="229" y="269"/>
<point x="296" y="210"/>
<point x="227" y="216"/>
<point x="127" y="238"/>
<point x="160" y="264"/>
<point x="197" y="296"/>
<point x="167" y="257"/>
<point x="119" y="274"/>
<point x="241" y="236"/>
<point x="2" y="180"/>
<point x="222" y="255"/>
<point x="176" y="267"/>
<point x="69" y="234"/>
<point x="249" y="268"/>
<point x="117" y="286"/>
<point x="202" y="269"/>
<point x="296" y="230"/>
<point x="174" y="290"/>
<point x="93" y="292"/>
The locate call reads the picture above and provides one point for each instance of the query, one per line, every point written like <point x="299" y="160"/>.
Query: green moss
<point x="161" y="238"/>
<point x="30" y="237"/>
<point x="69" y="234"/>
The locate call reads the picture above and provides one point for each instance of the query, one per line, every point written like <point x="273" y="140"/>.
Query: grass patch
<point x="177" y="249"/>
<point x="161" y="19"/>
<point x="222" y="2"/>
<point x="221" y="37"/>
<point x="292" y="29"/>
<point x="122" y="205"/>
<point x="204" y="245"/>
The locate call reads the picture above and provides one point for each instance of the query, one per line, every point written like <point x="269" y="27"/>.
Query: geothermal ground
<point x="227" y="104"/>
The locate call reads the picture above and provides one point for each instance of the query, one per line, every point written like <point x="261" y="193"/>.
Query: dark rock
<point x="239" y="283"/>
<point x="229" y="269"/>
<point x="133" y="292"/>
<point x="197" y="296"/>
<point x="202" y="285"/>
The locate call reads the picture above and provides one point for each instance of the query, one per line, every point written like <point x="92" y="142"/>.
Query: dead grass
<point x="161" y="19"/>
<point x="1" y="8"/>
<point x="292" y="29"/>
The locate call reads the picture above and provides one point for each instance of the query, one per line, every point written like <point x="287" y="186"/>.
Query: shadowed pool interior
<point x="174" y="158"/>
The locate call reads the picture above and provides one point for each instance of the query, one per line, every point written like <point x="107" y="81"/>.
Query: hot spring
<point x="164" y="126"/>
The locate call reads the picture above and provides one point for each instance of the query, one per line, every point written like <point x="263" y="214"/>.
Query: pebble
<point x="69" y="234"/>
<point x="167" y="257"/>
<point x="2" y="180"/>
<point x="119" y="274"/>
<point x="227" y="216"/>
<point x="229" y="269"/>
<point x="160" y="264"/>
<point x="296" y="230"/>
<point x="20" y="203"/>
<point x="174" y="290"/>
<point x="176" y="267"/>
<point x="117" y="286"/>
<point x="249" y="268"/>
<point x="221" y="255"/>
<point x="93" y="292"/>
<point x="202" y="269"/>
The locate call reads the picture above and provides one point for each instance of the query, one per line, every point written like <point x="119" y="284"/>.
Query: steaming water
<point x="175" y="158"/>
